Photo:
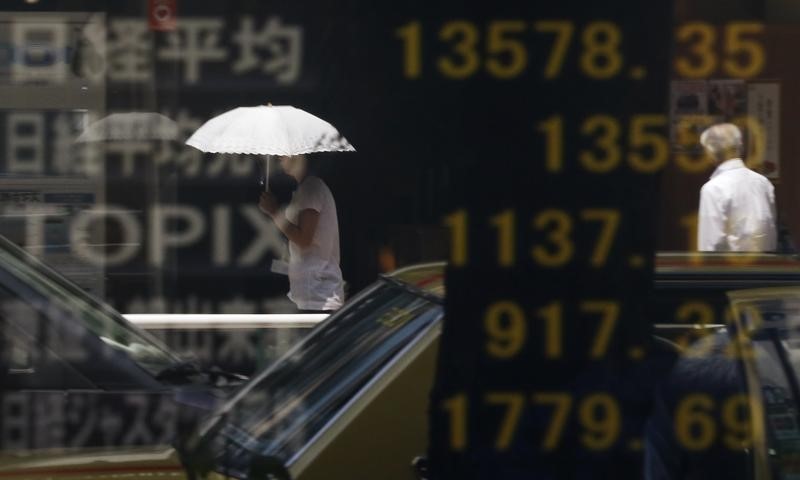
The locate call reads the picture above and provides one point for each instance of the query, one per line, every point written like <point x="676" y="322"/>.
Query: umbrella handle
<point x="266" y="178"/>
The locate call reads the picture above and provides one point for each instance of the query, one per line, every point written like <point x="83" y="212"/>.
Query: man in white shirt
<point x="737" y="205"/>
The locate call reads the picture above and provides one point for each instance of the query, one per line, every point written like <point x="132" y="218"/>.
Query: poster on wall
<point x="688" y="97"/>
<point x="727" y="99"/>
<point x="763" y="111"/>
<point x="688" y="114"/>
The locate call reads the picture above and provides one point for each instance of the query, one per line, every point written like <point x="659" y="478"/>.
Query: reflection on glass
<point x="773" y="323"/>
<point x="95" y="316"/>
<point x="280" y="412"/>
<point x="737" y="205"/>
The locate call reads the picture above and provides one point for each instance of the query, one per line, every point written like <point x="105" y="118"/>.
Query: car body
<point x="76" y="378"/>
<point x="351" y="399"/>
<point x="337" y="386"/>
<point x="373" y="427"/>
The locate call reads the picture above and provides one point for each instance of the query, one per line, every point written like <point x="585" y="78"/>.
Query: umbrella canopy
<point x="135" y="126"/>
<point x="268" y="130"/>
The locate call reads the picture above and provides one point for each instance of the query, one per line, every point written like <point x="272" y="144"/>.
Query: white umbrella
<point x="136" y="126"/>
<point x="268" y="130"/>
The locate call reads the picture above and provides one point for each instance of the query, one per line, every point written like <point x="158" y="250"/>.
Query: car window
<point x="32" y="364"/>
<point x="282" y="410"/>
<point x="25" y="272"/>
<point x="45" y="337"/>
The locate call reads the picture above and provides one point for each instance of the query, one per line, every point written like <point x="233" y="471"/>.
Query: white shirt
<point x="737" y="211"/>
<point x="315" y="279"/>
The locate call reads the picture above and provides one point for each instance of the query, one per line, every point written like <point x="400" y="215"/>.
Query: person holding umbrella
<point x="309" y="221"/>
<point x="311" y="225"/>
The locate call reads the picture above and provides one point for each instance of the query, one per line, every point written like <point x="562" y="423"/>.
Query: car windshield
<point x="281" y="410"/>
<point x="97" y="317"/>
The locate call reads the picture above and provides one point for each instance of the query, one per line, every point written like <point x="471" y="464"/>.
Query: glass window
<point x="32" y="365"/>
<point x="772" y="321"/>
<point x="284" y="408"/>
<point x="37" y="299"/>
<point x="578" y="174"/>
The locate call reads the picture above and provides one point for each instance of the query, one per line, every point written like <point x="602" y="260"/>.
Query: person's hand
<point x="268" y="204"/>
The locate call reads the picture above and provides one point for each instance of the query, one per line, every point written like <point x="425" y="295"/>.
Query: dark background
<point x="425" y="145"/>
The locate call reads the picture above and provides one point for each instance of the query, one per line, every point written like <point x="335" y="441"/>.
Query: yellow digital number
<point x="700" y="314"/>
<point x="561" y="404"/>
<point x="696" y="429"/>
<point x="744" y="57"/>
<point x="610" y="220"/>
<point x="505" y="223"/>
<point x="600" y="416"/>
<point x="563" y="31"/>
<point x="694" y="425"/>
<point x="687" y="132"/>
<point x="606" y="153"/>
<point x="411" y="35"/>
<point x="601" y="57"/>
<point x="498" y="44"/>
<point x="756" y="136"/>
<point x="737" y="47"/>
<point x="736" y="422"/>
<point x="701" y="38"/>
<point x="514" y="404"/>
<point x="695" y="313"/>
<point x="607" y="132"/>
<point x="553" y="316"/>
<point x="457" y="222"/>
<point x="609" y="315"/>
<point x="506" y="328"/>
<point x="553" y="130"/>
<point x="692" y="164"/>
<point x="640" y="138"/>
<point x="558" y="226"/>
<point x="457" y="408"/>
<point x="463" y="37"/>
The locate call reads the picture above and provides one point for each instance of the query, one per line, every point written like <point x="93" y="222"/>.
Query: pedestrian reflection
<point x="311" y="225"/>
<point x="681" y="440"/>
<point x="737" y="205"/>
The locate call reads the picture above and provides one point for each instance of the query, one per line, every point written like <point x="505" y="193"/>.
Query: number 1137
<point x="555" y="227"/>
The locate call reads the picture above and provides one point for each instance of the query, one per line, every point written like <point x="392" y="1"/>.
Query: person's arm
<point x="301" y="234"/>
<point x="711" y="220"/>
